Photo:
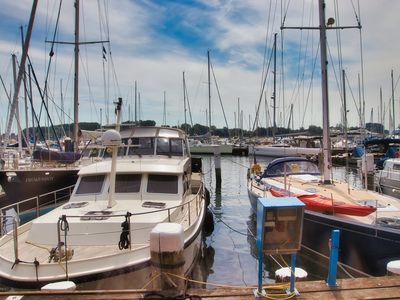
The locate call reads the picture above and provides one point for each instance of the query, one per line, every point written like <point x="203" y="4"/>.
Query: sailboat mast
<point x="136" y="119"/>
<point x="21" y="71"/>
<point x="381" y="110"/>
<point x="25" y="96"/>
<point x="209" y="91"/>
<point x="184" y="99"/>
<point x="164" y="123"/>
<point x="325" y="101"/>
<point x="274" y="95"/>
<point x="345" y="129"/>
<point x="76" y="75"/>
<point x="393" y="112"/>
<point x="14" y="63"/>
<point x="238" y="117"/>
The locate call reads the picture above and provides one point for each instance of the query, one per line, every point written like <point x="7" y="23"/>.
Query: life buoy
<point x="255" y="168"/>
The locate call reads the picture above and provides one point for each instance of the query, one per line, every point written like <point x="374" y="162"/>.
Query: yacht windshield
<point x="90" y="184"/>
<point x="166" y="146"/>
<point x="291" y="168"/>
<point x="141" y="146"/>
<point x="165" y="184"/>
<point x="128" y="183"/>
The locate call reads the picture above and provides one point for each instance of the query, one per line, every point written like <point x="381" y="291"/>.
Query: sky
<point x="153" y="43"/>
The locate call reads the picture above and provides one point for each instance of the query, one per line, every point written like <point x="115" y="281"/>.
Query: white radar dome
<point x="111" y="138"/>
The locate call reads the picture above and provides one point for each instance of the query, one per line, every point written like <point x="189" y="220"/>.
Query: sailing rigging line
<point x="355" y="12"/>
<point x="266" y="64"/>
<point x="9" y="104"/>
<point x="339" y="86"/>
<point x="300" y="67"/>
<point x="6" y="92"/>
<point x="85" y="67"/>
<point x="285" y="14"/>
<point x="311" y="83"/>
<point x="42" y="97"/>
<point x="198" y="86"/>
<point x="51" y="54"/>
<point x="219" y="95"/>
<point x="21" y="71"/>
<point x="262" y="93"/>
<point x="300" y="80"/>
<point x="352" y="96"/>
<point x="339" y="52"/>
<point x="362" y="67"/>
<point x="186" y="98"/>
<point x="103" y="21"/>
<point x="104" y="55"/>
<point x="8" y="95"/>
<point x="282" y="77"/>
<point x="265" y="67"/>
<point x="268" y="33"/>
<point x="265" y="48"/>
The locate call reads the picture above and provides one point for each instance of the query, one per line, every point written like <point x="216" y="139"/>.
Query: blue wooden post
<point x="267" y="244"/>
<point x="293" y="272"/>
<point x="260" y="270"/>
<point x="333" y="259"/>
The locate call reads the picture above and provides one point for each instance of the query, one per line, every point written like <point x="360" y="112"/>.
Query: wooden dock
<point x="358" y="288"/>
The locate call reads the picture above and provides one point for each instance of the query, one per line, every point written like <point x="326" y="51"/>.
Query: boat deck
<point x="342" y="192"/>
<point x="28" y="251"/>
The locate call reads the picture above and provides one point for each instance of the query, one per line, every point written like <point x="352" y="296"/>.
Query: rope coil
<point x="124" y="239"/>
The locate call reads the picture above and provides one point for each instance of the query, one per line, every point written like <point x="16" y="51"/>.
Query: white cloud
<point x="234" y="31"/>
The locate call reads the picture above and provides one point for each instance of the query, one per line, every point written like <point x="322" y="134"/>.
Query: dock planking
<point x="387" y="287"/>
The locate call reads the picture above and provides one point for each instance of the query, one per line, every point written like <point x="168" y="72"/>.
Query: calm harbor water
<point x="230" y="253"/>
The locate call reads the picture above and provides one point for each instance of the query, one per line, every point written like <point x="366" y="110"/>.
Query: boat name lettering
<point x="39" y="179"/>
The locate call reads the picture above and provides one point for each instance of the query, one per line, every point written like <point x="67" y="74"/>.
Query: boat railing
<point x="175" y="214"/>
<point x="62" y="225"/>
<point x="193" y="203"/>
<point x="24" y="209"/>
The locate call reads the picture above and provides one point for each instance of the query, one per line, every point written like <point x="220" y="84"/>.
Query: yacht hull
<point x="272" y="151"/>
<point x="390" y="186"/>
<point x="127" y="269"/>
<point x="19" y="185"/>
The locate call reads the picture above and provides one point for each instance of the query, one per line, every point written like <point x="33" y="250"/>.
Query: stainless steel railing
<point x="34" y="204"/>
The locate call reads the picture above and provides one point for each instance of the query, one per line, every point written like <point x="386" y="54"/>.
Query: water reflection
<point x="229" y="254"/>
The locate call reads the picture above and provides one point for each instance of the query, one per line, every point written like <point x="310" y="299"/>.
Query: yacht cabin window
<point x="169" y="146"/>
<point x="141" y="146"/>
<point x="165" y="184"/>
<point x="176" y="147"/>
<point x="128" y="183"/>
<point x="90" y="184"/>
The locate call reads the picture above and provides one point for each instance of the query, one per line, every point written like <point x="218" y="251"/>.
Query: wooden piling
<point x="217" y="164"/>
